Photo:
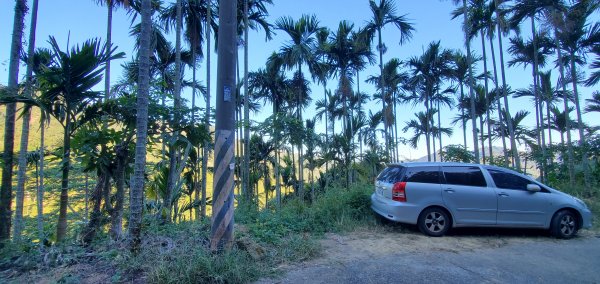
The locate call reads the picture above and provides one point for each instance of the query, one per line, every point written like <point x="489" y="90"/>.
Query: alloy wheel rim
<point x="567" y="225"/>
<point x="435" y="222"/>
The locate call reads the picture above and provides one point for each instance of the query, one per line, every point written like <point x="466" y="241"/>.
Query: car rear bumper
<point x="586" y="216"/>
<point x="395" y="211"/>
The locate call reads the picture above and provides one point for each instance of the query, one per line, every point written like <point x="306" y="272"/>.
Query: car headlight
<point x="580" y="202"/>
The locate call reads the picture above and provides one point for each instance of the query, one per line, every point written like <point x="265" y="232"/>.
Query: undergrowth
<point x="179" y="253"/>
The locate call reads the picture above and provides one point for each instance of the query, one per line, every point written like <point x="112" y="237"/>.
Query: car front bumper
<point x="586" y="216"/>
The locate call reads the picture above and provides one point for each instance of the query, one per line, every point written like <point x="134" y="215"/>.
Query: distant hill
<point x="497" y="151"/>
<point x="54" y="133"/>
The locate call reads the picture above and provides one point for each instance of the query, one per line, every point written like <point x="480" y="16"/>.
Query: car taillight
<point x="399" y="192"/>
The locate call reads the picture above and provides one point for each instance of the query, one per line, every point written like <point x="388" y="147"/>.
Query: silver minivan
<point x="439" y="196"/>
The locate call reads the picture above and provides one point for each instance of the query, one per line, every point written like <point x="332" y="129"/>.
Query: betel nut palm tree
<point x="384" y="14"/>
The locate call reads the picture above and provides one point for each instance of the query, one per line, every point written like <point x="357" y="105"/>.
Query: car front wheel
<point x="564" y="225"/>
<point x="434" y="222"/>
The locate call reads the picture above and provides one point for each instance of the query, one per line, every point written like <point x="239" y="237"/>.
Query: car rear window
<point x="422" y="175"/>
<point x="469" y="176"/>
<point x="391" y="174"/>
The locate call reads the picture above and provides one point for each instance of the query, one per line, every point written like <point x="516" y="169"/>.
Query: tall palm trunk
<point x="482" y="139"/>
<point x="487" y="97"/>
<point x="383" y="93"/>
<point x="396" y="132"/>
<point x="61" y="228"/>
<point x="173" y="178"/>
<point x="94" y="224"/>
<point x="462" y="114"/>
<point x="427" y="128"/>
<point x="40" y="188"/>
<point x="9" y="124"/>
<point x="439" y="128"/>
<point x="511" y="131"/>
<point x="122" y="153"/>
<point x="570" y="155"/>
<point x="360" y="142"/>
<point x="137" y="188"/>
<point x="207" y="111"/>
<point x="22" y="172"/>
<point x="300" y="146"/>
<point x="582" y="142"/>
<point x="498" y="97"/>
<point x="538" y="99"/>
<point x="326" y="127"/>
<point x="277" y="149"/>
<point x="196" y="164"/>
<point x="246" y="167"/>
<point x="470" y="80"/>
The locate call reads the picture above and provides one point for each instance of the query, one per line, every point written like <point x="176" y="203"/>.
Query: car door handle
<point x="503" y="194"/>
<point x="449" y="190"/>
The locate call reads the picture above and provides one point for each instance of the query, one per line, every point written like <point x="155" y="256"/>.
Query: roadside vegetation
<point x="86" y="194"/>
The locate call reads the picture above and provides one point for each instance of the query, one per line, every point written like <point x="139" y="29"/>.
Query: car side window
<point x="422" y="175"/>
<point x="507" y="180"/>
<point x="469" y="176"/>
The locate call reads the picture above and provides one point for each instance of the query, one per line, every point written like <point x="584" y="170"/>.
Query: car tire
<point x="564" y="225"/>
<point x="434" y="222"/>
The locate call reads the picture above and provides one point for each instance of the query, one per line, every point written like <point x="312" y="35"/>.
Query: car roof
<point x="425" y="164"/>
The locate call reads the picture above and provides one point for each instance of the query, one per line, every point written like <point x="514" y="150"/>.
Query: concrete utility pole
<point x="221" y="235"/>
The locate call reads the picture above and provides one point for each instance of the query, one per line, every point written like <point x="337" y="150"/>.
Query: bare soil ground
<point x="345" y="256"/>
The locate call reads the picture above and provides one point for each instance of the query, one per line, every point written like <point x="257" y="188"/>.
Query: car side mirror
<point x="533" y="188"/>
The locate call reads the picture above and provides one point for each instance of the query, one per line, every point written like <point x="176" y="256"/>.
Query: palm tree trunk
<point x="137" y="188"/>
<point x="277" y="149"/>
<point x="538" y="105"/>
<point x="570" y="155"/>
<point x="207" y="111"/>
<point x="326" y="127"/>
<point x="246" y="168"/>
<point x="470" y="81"/>
<point x="300" y="148"/>
<point x="40" y="188"/>
<point x="498" y="96"/>
<point x="383" y="93"/>
<point x="482" y="139"/>
<point x="22" y="171"/>
<point x="9" y="124"/>
<point x="487" y="97"/>
<point x="462" y="112"/>
<point x="116" y="228"/>
<point x="511" y="132"/>
<point x="89" y="233"/>
<point x="61" y="228"/>
<point x="87" y="197"/>
<point x="396" y="132"/>
<point x="427" y="128"/>
<point x="582" y="142"/>
<point x="439" y="129"/>
<point x="360" y="142"/>
<point x="173" y="178"/>
<point x="548" y="103"/>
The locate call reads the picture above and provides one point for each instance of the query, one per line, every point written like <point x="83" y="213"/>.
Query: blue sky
<point x="83" y="19"/>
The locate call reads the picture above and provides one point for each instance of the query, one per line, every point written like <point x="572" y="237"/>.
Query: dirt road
<point x="399" y="255"/>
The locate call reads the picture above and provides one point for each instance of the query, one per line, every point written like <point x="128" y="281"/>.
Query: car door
<point x="467" y="196"/>
<point x="518" y="207"/>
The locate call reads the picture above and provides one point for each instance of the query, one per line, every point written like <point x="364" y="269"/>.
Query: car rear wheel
<point x="564" y="225"/>
<point x="434" y="222"/>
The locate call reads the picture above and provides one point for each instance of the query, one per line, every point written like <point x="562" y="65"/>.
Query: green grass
<point x="179" y="253"/>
